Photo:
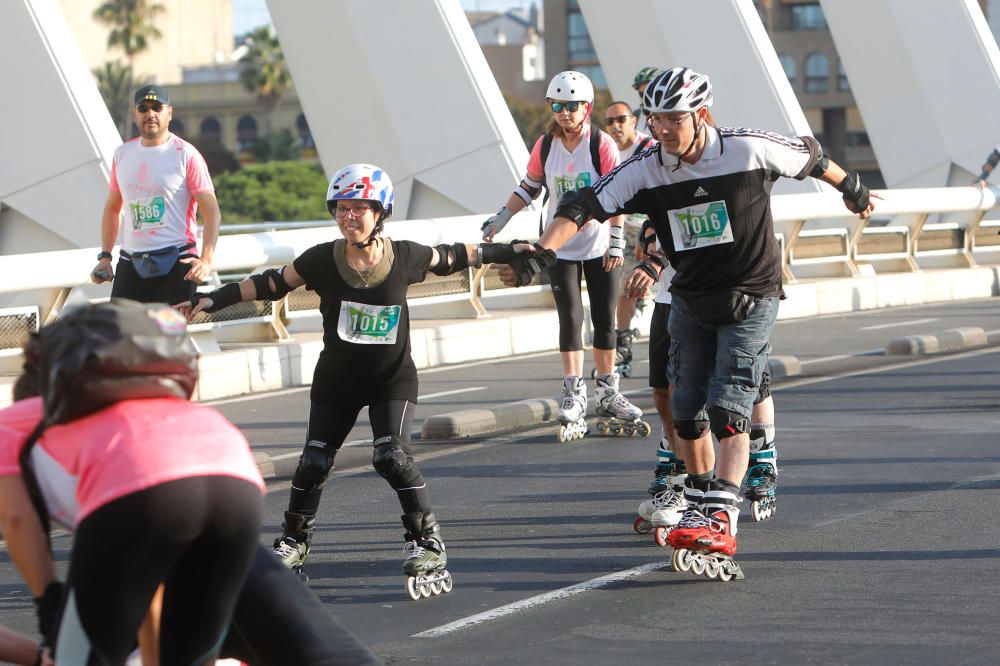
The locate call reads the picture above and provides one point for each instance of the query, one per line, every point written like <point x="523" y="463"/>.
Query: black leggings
<point x="329" y="425"/>
<point x="602" y="286"/>
<point x="197" y="536"/>
<point x="278" y="621"/>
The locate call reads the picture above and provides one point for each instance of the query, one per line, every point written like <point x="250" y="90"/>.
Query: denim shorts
<point x="717" y="366"/>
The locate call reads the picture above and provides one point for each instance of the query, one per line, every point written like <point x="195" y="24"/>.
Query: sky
<point x="248" y="14"/>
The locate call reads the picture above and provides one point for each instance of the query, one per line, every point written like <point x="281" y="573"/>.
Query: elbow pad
<point x="262" y="283"/>
<point x="451" y="259"/>
<point x="820" y="167"/>
<point x="815" y="157"/>
<point x="572" y="206"/>
<point x="529" y="189"/>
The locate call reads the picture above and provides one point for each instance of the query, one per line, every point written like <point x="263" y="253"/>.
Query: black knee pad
<point x="315" y="464"/>
<point x="726" y="423"/>
<point x="691" y="429"/>
<point x="392" y="461"/>
<point x="764" y="390"/>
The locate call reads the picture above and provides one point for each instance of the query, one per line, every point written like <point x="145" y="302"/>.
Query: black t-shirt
<point x="366" y="331"/>
<point x="712" y="218"/>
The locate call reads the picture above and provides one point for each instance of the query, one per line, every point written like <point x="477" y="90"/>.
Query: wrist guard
<point x="856" y="195"/>
<point x="497" y="222"/>
<point x="529" y="264"/>
<point x="616" y="246"/>
<point x="498" y="253"/>
<point x="222" y="297"/>
<point x="648" y="269"/>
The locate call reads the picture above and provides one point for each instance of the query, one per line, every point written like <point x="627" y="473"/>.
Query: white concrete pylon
<point x="926" y="77"/>
<point x="404" y="85"/>
<point x="724" y="39"/>
<point x="56" y="133"/>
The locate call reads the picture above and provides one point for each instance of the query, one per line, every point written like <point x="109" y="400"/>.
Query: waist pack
<point x="155" y="263"/>
<point x="723" y="307"/>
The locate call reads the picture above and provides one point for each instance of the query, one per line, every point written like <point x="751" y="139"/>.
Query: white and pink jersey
<point x="122" y="449"/>
<point x="158" y="184"/>
<point x="565" y="171"/>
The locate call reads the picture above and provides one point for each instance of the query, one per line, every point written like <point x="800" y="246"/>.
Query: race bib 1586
<point x="365" y="324"/>
<point x="700" y="226"/>
<point x="147" y="213"/>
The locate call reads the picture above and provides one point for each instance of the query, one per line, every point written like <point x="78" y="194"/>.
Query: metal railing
<point x="912" y="230"/>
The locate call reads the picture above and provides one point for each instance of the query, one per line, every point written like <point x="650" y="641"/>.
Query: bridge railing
<point x="912" y="230"/>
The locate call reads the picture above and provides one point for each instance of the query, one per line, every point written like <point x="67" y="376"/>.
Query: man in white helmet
<point x="706" y="192"/>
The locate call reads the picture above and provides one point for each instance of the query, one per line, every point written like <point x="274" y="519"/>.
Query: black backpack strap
<point x="31" y="481"/>
<point x="642" y="145"/>
<point x="546" y="147"/>
<point x="595" y="150"/>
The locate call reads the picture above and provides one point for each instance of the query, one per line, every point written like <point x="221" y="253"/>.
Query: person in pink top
<point x="157" y="489"/>
<point x="160" y="181"/>
<point x="572" y="155"/>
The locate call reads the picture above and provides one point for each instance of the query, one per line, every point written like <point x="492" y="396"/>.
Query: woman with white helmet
<point x="362" y="280"/>
<point x="569" y="156"/>
<point x="706" y="192"/>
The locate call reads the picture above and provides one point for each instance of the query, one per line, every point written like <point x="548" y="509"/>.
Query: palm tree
<point x="264" y="71"/>
<point x="131" y="24"/>
<point x="115" y="83"/>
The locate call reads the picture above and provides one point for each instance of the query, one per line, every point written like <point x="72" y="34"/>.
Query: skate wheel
<point x="411" y="588"/>
<point x="697" y="566"/>
<point x="436" y="587"/>
<point x="615" y="429"/>
<point x="641" y="525"/>
<point x="755" y="512"/>
<point x="660" y="536"/>
<point x="561" y="435"/>
<point x="712" y="570"/>
<point x="447" y="583"/>
<point x="681" y="560"/>
<point x="724" y="575"/>
<point x="645" y="430"/>
<point x="602" y="427"/>
<point x="425" y="590"/>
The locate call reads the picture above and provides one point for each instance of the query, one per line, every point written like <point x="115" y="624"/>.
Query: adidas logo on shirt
<point x="700" y="192"/>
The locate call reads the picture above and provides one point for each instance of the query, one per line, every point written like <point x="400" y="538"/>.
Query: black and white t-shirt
<point x="366" y="331"/>
<point x="712" y="218"/>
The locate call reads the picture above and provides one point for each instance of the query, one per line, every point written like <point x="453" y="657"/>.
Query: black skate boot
<point x="292" y="547"/>
<point x="425" y="556"/>
<point x="623" y="351"/>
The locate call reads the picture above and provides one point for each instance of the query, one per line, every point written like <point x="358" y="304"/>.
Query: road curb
<point x="473" y="422"/>
<point x="954" y="339"/>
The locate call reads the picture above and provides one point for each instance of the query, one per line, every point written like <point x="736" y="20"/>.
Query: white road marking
<point x="837" y="357"/>
<point x="898" y="323"/>
<point x="539" y="600"/>
<point x="469" y="389"/>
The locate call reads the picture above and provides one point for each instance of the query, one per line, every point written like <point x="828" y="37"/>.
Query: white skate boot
<point x="617" y="415"/>
<point x="573" y="412"/>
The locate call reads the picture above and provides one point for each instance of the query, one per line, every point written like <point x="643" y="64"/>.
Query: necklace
<point x="366" y="275"/>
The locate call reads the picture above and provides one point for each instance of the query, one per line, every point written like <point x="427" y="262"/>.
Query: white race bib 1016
<point x="700" y="226"/>
<point x="365" y="324"/>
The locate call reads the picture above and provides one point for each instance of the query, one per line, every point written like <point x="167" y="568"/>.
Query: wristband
<point x="103" y="255"/>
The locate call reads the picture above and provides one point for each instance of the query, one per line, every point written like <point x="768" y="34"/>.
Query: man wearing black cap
<point x="160" y="180"/>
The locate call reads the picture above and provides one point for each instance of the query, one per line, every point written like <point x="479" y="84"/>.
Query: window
<point x="843" y="84"/>
<point x="788" y="64"/>
<point x="211" y="131"/>
<point x="305" y="136"/>
<point x="807" y="17"/>
<point x="580" y="46"/>
<point x="246" y="133"/>
<point x="817" y="73"/>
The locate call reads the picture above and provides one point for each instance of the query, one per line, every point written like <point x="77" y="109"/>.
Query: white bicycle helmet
<point x="570" y="87"/>
<point x="364" y="182"/>
<point x="678" y="89"/>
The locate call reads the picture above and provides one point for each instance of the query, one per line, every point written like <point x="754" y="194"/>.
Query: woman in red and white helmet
<point x="572" y="155"/>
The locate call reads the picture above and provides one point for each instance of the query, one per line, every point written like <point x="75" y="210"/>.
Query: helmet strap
<point x="698" y="127"/>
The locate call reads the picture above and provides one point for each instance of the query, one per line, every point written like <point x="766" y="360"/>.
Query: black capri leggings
<point x="602" y="286"/>
<point x="197" y="536"/>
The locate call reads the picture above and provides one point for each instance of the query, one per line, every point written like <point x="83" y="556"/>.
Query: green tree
<point x="132" y="25"/>
<point x="273" y="192"/>
<point x="264" y="71"/>
<point x="115" y="83"/>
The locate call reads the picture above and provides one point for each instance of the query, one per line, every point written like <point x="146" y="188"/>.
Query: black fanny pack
<point x="155" y="263"/>
<point x="723" y="307"/>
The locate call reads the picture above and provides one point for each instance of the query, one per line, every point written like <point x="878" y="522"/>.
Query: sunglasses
<point x="615" y="120"/>
<point x="146" y="106"/>
<point x="569" y="106"/>
<point x="356" y="210"/>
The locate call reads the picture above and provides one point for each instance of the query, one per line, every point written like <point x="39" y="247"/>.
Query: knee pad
<point x="691" y="429"/>
<point x="393" y="463"/>
<point x="764" y="390"/>
<point x="315" y="463"/>
<point x="726" y="423"/>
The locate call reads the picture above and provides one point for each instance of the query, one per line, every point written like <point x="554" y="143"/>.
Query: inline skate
<point x="762" y="480"/>
<point x="292" y="547"/>
<point x="425" y="557"/>
<point x="623" y="351"/>
<point x="573" y="412"/>
<point x="618" y="416"/>
<point x="704" y="540"/>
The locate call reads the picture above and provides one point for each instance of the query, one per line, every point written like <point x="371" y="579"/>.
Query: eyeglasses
<point x="616" y="120"/>
<point x="667" y="120"/>
<point x="144" y="107"/>
<point x="557" y="107"/>
<point x="356" y="210"/>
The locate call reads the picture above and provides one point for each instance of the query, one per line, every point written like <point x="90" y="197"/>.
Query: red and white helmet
<point x="362" y="182"/>
<point x="678" y="89"/>
<point x="570" y="87"/>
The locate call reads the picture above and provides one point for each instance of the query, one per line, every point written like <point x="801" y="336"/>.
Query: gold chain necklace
<point x="364" y="276"/>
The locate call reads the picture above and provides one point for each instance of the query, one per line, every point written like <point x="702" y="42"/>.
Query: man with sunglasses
<point x="160" y="181"/>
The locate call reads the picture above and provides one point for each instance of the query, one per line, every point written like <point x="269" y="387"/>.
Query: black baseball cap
<point x="151" y="93"/>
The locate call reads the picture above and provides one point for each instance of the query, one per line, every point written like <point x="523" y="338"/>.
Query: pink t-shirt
<point x="158" y="184"/>
<point x="565" y="171"/>
<point x="122" y="449"/>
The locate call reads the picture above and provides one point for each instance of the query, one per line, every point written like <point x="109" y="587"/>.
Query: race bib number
<point x="700" y="226"/>
<point x="148" y="213"/>
<point x="569" y="183"/>
<point x="365" y="324"/>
